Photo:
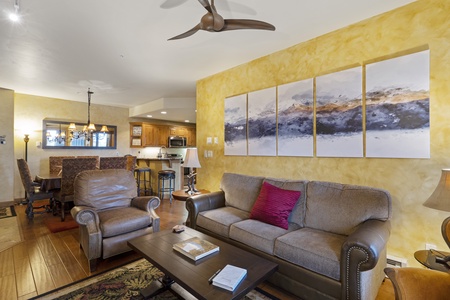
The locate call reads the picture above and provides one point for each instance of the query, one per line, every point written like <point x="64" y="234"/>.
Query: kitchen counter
<point x="170" y="160"/>
<point x="158" y="164"/>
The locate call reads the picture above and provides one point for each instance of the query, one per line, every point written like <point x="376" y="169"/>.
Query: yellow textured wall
<point x="30" y="110"/>
<point x="420" y="25"/>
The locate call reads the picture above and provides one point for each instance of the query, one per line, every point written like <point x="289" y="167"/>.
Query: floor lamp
<point x="191" y="161"/>
<point x="440" y="200"/>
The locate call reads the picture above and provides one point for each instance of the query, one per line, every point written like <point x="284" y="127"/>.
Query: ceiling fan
<point x="213" y="22"/>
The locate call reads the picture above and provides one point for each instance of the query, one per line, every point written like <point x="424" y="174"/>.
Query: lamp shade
<point x="440" y="199"/>
<point x="191" y="159"/>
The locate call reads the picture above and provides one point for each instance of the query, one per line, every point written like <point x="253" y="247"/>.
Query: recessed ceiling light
<point x="149" y="116"/>
<point x="187" y="121"/>
<point x="164" y="112"/>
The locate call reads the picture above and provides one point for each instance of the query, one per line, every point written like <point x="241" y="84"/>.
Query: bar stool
<point x="164" y="175"/>
<point x="144" y="184"/>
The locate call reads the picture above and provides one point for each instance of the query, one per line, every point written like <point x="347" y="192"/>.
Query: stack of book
<point x="195" y="248"/>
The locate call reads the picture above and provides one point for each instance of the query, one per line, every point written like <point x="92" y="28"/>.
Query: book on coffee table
<point x="229" y="278"/>
<point x="195" y="248"/>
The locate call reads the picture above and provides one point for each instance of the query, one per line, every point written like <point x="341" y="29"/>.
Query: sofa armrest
<point x="86" y="216"/>
<point x="361" y="252"/>
<point x="149" y="204"/>
<point x="196" y="204"/>
<point x="90" y="233"/>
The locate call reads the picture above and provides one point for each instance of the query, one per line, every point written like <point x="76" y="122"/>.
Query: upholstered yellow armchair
<point x="419" y="284"/>
<point x="110" y="213"/>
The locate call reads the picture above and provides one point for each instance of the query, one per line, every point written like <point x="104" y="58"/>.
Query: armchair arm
<point x="196" y="204"/>
<point x="90" y="233"/>
<point x="149" y="204"/>
<point x="360" y="252"/>
<point x="418" y="283"/>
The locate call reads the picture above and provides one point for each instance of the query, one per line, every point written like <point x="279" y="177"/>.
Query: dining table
<point x="49" y="181"/>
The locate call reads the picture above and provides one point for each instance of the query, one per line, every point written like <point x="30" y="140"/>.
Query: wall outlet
<point x="430" y="246"/>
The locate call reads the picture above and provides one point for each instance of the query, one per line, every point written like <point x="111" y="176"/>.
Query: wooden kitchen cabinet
<point x="191" y="137"/>
<point x="156" y="135"/>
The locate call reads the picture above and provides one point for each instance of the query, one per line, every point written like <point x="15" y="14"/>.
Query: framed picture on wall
<point x="262" y="118"/>
<point x="296" y="119"/>
<point x="339" y="128"/>
<point x="235" y="125"/>
<point x="398" y="107"/>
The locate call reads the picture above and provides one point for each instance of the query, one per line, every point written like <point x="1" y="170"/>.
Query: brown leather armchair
<point x="110" y="213"/>
<point x="419" y="284"/>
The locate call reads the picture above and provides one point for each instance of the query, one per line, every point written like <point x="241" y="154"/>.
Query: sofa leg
<point x="92" y="265"/>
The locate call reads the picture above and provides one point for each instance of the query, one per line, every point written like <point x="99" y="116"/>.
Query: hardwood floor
<point x="44" y="261"/>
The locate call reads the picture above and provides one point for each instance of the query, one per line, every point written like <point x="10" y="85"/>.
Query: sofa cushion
<point x="240" y="191"/>
<point x="274" y="205"/>
<point x="298" y="213"/>
<point x="257" y="234"/>
<point x="122" y="220"/>
<point x="340" y="208"/>
<point x="316" y="250"/>
<point x="219" y="220"/>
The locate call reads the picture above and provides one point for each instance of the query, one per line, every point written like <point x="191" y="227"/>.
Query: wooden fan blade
<point x="206" y="5"/>
<point x="234" y="24"/>
<point x="187" y="33"/>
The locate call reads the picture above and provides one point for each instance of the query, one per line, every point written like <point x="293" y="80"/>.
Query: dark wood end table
<point x="428" y="259"/>
<point x="181" y="195"/>
<point x="193" y="275"/>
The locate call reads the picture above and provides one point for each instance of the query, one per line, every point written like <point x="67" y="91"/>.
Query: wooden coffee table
<point x="193" y="275"/>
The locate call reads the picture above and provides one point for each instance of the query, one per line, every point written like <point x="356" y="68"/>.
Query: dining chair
<point x="114" y="162"/>
<point x="32" y="190"/>
<point x="70" y="169"/>
<point x="55" y="163"/>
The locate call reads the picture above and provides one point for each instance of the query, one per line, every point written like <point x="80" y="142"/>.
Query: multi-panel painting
<point x="296" y="119"/>
<point x="236" y="125"/>
<point x="262" y="117"/>
<point x="339" y="130"/>
<point x="397" y="107"/>
<point x="280" y="122"/>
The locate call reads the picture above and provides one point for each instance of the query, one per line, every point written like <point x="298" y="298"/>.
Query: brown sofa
<point x="110" y="213"/>
<point x="335" y="244"/>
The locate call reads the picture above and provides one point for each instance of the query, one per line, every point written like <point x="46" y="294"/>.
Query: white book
<point x="229" y="278"/>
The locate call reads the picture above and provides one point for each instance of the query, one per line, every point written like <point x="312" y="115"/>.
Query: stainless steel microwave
<point x="177" y="142"/>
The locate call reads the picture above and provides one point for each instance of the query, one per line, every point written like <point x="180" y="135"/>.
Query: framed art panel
<point x="296" y="119"/>
<point x="262" y="140"/>
<point x="339" y="130"/>
<point x="235" y="125"/>
<point x="398" y="107"/>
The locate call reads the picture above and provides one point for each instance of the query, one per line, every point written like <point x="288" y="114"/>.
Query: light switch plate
<point x="209" y="140"/>
<point x="216" y="140"/>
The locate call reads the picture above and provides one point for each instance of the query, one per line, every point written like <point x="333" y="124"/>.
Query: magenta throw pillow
<point x="274" y="205"/>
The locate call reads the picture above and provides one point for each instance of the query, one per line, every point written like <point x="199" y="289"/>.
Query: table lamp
<point x="440" y="200"/>
<point x="191" y="161"/>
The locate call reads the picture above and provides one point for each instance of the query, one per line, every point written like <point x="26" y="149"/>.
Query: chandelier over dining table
<point x="89" y="128"/>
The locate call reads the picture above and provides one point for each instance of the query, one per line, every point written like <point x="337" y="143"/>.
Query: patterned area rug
<point x="125" y="283"/>
<point x="6" y="212"/>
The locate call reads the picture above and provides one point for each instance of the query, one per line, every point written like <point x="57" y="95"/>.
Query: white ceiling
<point x="119" y="48"/>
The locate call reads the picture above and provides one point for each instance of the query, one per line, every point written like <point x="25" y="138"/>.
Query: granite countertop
<point x="168" y="159"/>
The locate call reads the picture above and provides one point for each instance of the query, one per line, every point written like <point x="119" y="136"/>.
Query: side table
<point x="428" y="259"/>
<point x="181" y="195"/>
